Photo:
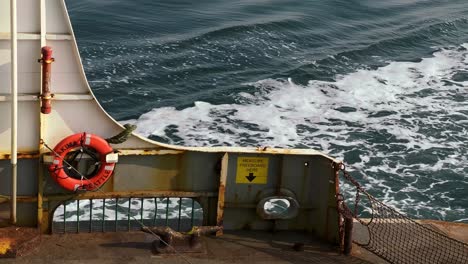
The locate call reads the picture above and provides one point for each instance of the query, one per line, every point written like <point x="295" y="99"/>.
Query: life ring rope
<point x="85" y="142"/>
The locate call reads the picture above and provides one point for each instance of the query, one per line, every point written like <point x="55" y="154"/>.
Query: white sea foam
<point x="386" y="114"/>
<point x="137" y="210"/>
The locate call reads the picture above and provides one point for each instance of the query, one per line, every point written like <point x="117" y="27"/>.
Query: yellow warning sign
<point x="252" y="170"/>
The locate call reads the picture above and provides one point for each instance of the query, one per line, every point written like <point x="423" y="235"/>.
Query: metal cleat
<point x="169" y="241"/>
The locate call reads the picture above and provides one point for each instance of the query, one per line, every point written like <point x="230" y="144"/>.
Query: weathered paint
<point x="146" y="168"/>
<point x="20" y="155"/>
<point x="340" y="221"/>
<point x="252" y="170"/>
<point x="148" y="152"/>
<point x="5" y="245"/>
<point x="221" y="192"/>
<point x="133" y="194"/>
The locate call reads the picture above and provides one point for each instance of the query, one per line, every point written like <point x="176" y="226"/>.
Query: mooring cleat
<point x="169" y="241"/>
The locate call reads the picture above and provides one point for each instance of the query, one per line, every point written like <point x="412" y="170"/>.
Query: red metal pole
<point x="46" y="96"/>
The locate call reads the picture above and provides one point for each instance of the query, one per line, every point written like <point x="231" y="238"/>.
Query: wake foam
<point x="404" y="125"/>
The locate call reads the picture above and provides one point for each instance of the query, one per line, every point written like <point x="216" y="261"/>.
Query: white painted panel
<point x="29" y="51"/>
<point x="28" y="16"/>
<point x="4" y="15"/>
<point x="65" y="59"/>
<point x="5" y="124"/>
<point x="29" y="82"/>
<point x="67" y="83"/>
<point x="70" y="117"/>
<point x="5" y="82"/>
<point x="56" y="22"/>
<point x="135" y="142"/>
<point x="5" y="65"/>
<point x="28" y="126"/>
<point x="5" y="56"/>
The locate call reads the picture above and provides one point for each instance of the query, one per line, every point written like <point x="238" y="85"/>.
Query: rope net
<point x="399" y="239"/>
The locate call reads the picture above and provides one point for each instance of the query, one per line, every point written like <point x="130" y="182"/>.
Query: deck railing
<point x="126" y="214"/>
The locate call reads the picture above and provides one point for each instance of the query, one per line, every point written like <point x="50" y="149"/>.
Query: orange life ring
<point x="79" y="144"/>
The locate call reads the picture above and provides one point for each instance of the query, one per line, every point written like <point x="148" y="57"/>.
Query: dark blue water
<point x="380" y="84"/>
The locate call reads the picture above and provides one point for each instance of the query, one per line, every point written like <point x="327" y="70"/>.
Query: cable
<point x="140" y="223"/>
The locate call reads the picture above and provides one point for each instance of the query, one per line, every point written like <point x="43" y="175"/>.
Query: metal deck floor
<point x="134" y="247"/>
<point x="232" y="247"/>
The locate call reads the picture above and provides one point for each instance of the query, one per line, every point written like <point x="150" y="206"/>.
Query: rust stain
<point x="258" y="195"/>
<point x="20" y="155"/>
<point x="220" y="215"/>
<point x="133" y="194"/>
<point x="336" y="168"/>
<point x="221" y="192"/>
<point x="5" y="245"/>
<point x="148" y="152"/>
<point x="19" y="199"/>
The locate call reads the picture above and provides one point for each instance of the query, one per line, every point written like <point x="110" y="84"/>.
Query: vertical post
<point x="155" y="211"/>
<point x="116" y="207"/>
<point x="14" y="109"/>
<point x="103" y="214"/>
<point x="192" y="213"/>
<point x="129" y="211"/>
<point x="40" y="179"/>
<point x="167" y="211"/>
<point x="221" y="191"/>
<point x="46" y="96"/>
<point x="65" y="217"/>
<point x="340" y="223"/>
<point x="141" y="210"/>
<point x="180" y="213"/>
<point x="78" y="216"/>
<point x="348" y="236"/>
<point x="90" y="215"/>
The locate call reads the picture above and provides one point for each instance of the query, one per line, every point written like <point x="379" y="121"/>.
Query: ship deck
<point x="135" y="247"/>
<point x="232" y="247"/>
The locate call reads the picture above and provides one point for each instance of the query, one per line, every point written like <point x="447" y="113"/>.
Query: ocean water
<point x="381" y="85"/>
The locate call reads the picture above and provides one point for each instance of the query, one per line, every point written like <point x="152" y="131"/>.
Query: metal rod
<point x="116" y="204"/>
<point x="348" y="236"/>
<point x="78" y="216"/>
<point x="42" y="123"/>
<point x="155" y="210"/>
<point x="129" y="210"/>
<point x="193" y="213"/>
<point x="64" y="217"/>
<point x="180" y="212"/>
<point x="141" y="210"/>
<point x="14" y="109"/>
<point x="43" y="23"/>
<point x="90" y="215"/>
<point x="167" y="211"/>
<point x="103" y="214"/>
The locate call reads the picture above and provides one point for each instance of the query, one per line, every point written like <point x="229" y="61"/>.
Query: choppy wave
<point x="381" y="85"/>
<point x="404" y="125"/>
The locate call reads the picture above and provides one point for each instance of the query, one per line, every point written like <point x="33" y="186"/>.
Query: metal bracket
<point x="169" y="241"/>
